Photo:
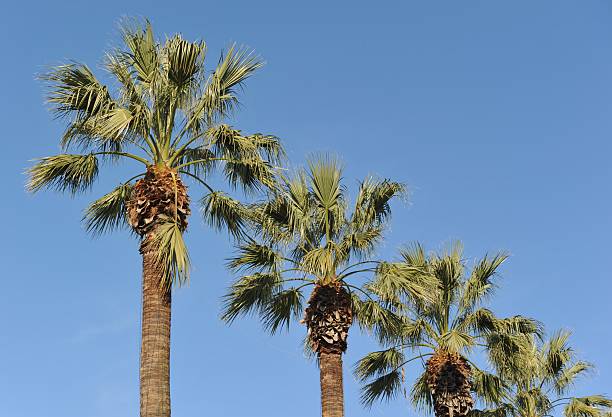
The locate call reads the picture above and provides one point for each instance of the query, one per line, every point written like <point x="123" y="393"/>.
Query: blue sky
<point x="497" y="115"/>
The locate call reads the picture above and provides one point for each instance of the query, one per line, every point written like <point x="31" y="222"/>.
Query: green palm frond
<point x="73" y="89"/>
<point x="320" y="261"/>
<point x="249" y="173"/>
<point x="184" y="60"/>
<point x="483" y="321"/>
<point x="376" y="364"/>
<point x="361" y="243"/>
<point x="223" y="212"/>
<point x="289" y="212"/>
<point x="414" y="256"/>
<point x="281" y="308"/>
<point x="448" y="269"/>
<point x="252" y="255"/>
<point x="420" y="395"/>
<point x="108" y="212"/>
<point x="490" y="388"/>
<point x="591" y="406"/>
<point x="519" y="325"/>
<point x="372" y="203"/>
<point x="142" y="55"/>
<point x="198" y="161"/>
<point x="249" y="293"/>
<point x="172" y="254"/>
<point x="269" y="146"/>
<point x="325" y="176"/>
<point x="114" y="125"/>
<point x="479" y="285"/>
<point x="394" y="280"/>
<point x="383" y="388"/>
<point x="234" y="68"/>
<point x="132" y="93"/>
<point x="557" y="353"/>
<point x="64" y="172"/>
<point x="510" y="354"/>
<point x="456" y="341"/>
<point x="373" y="316"/>
<point x="569" y="374"/>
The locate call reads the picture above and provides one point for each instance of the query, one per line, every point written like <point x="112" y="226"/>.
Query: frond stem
<point x="195" y="177"/>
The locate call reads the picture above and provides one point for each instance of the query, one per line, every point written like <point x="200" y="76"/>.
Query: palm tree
<point x="540" y="380"/>
<point x="309" y="238"/>
<point x="441" y="335"/>
<point x="165" y="115"/>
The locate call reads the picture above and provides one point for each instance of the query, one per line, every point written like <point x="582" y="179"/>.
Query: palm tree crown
<point x="309" y="237"/>
<point x="539" y="381"/>
<point x="165" y="114"/>
<point x="445" y="332"/>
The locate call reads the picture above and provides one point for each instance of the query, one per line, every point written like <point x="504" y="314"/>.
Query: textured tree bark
<point x="155" y="347"/>
<point x="332" y="392"/>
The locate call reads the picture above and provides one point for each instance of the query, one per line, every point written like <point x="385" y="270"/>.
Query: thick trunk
<point x="155" y="348"/>
<point x="332" y="393"/>
<point x="448" y="379"/>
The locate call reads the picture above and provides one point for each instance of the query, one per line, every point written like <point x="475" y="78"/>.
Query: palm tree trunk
<point x="332" y="393"/>
<point x="155" y="348"/>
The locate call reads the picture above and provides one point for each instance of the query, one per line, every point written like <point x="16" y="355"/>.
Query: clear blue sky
<point x="498" y="116"/>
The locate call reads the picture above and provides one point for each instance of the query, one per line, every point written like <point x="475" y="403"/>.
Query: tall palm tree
<point x="308" y="237"/>
<point x="441" y="335"/>
<point x="539" y="382"/>
<point x="165" y="115"/>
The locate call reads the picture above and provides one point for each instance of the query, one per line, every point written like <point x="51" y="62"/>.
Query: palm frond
<point x="281" y="308"/>
<point x="569" y="374"/>
<point x="108" y="212"/>
<point x="361" y="243"/>
<point x="372" y="316"/>
<point x="184" y="60"/>
<point x="73" y="89"/>
<point x="249" y="293"/>
<point x="372" y="203"/>
<point x="253" y="255"/>
<point x="490" y="388"/>
<point x="557" y="353"/>
<point x="379" y="363"/>
<point x="421" y="395"/>
<point x="234" y="68"/>
<point x="456" y="341"/>
<point x="511" y="355"/>
<point x="113" y="125"/>
<point x="591" y="406"/>
<point x="325" y="175"/>
<point x="223" y="212"/>
<point x="518" y="325"/>
<point x="479" y="285"/>
<point x="483" y="321"/>
<point x="64" y="172"/>
<point x="142" y="54"/>
<point x="270" y="146"/>
<point x="200" y="160"/>
<point x="398" y="279"/>
<point x="172" y="254"/>
<point x="319" y="261"/>
<point x="414" y="256"/>
<point x="133" y="95"/>
<point x="383" y="388"/>
<point x="249" y="173"/>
